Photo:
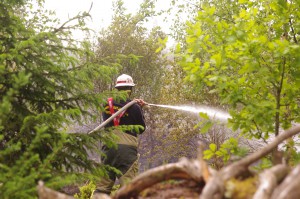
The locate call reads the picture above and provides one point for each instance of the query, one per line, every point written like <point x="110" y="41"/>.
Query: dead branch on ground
<point x="184" y="169"/>
<point x="269" y="179"/>
<point x="290" y="187"/>
<point x="46" y="193"/>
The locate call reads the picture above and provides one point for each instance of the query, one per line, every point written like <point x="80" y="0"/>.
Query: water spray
<point x="211" y="112"/>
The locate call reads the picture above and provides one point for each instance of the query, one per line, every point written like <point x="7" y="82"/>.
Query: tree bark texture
<point x="290" y="187"/>
<point x="269" y="179"/>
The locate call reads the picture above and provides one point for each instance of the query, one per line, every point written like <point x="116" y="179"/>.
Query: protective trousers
<point x="124" y="158"/>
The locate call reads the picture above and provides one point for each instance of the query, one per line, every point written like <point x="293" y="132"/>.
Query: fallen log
<point x="269" y="179"/>
<point x="46" y="193"/>
<point x="184" y="169"/>
<point x="290" y="187"/>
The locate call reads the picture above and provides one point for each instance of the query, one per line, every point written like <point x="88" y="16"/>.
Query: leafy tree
<point x="46" y="84"/>
<point x="128" y="45"/>
<point x="250" y="58"/>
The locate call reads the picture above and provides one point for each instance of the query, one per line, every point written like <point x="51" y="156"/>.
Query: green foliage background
<point x="247" y="52"/>
<point x="241" y="56"/>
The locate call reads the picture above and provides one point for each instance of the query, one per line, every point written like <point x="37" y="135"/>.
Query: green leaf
<point x="207" y="154"/>
<point x="206" y="126"/>
<point x="213" y="147"/>
<point x="204" y="115"/>
<point x="216" y="59"/>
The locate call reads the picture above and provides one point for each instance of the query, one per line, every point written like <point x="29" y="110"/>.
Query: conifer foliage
<point x="46" y="82"/>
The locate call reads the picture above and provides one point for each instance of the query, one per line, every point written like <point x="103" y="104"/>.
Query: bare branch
<point x="63" y="26"/>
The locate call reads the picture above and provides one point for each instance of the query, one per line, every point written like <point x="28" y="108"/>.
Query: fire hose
<point x="221" y="116"/>
<point x="113" y="116"/>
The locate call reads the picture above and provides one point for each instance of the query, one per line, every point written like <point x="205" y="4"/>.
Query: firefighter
<point x="125" y="156"/>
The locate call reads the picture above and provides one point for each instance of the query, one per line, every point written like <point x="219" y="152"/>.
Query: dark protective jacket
<point x="125" y="155"/>
<point x="132" y="116"/>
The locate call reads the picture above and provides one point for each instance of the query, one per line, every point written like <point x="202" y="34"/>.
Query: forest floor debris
<point x="194" y="179"/>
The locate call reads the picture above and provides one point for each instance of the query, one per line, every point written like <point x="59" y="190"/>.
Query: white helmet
<point x="124" y="80"/>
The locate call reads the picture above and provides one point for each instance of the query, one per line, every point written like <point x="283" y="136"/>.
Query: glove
<point x="140" y="102"/>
